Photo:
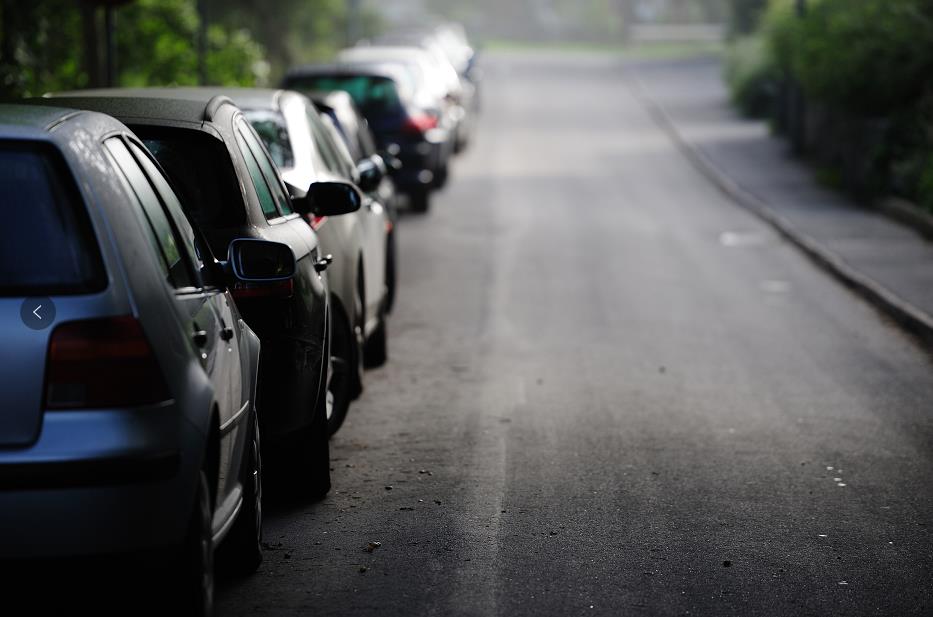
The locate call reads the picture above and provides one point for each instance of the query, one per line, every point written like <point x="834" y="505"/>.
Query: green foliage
<point x="744" y="16"/>
<point x="156" y="43"/>
<point x="868" y="63"/>
<point x="157" y="46"/>
<point x="39" y="43"/>
<point x="46" y="45"/>
<point x="291" y="31"/>
<point x="869" y="57"/>
<point x="752" y="75"/>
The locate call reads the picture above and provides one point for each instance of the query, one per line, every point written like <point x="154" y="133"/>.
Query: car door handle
<point x="226" y="334"/>
<point x="322" y="264"/>
<point x="200" y="337"/>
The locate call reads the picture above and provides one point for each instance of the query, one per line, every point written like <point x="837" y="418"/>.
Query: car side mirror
<point x="260" y="261"/>
<point x="328" y="199"/>
<point x="372" y="171"/>
<point x="390" y="158"/>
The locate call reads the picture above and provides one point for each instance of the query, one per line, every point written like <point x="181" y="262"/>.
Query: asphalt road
<point x="612" y="392"/>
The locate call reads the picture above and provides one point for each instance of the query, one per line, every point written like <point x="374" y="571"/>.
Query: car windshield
<point x="49" y="247"/>
<point x="370" y="93"/>
<point x="200" y="168"/>
<point x="271" y="128"/>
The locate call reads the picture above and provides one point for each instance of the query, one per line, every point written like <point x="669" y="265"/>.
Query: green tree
<point x="39" y="47"/>
<point x="157" y="46"/>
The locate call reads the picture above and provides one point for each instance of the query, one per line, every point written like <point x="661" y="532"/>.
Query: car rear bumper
<point x="421" y="162"/>
<point x="99" y="482"/>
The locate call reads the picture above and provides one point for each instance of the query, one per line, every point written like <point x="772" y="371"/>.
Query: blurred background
<point x="847" y="82"/>
<point x="53" y="44"/>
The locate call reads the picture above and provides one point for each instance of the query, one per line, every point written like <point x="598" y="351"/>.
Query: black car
<point x="229" y="185"/>
<point x="402" y="127"/>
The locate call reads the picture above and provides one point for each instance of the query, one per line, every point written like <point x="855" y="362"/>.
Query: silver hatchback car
<point x="129" y="420"/>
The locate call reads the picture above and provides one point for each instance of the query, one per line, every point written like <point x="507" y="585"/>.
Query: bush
<point x="752" y="75"/>
<point x="865" y="69"/>
<point x="870" y="57"/>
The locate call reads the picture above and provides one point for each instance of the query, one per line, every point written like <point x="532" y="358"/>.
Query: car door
<point x="274" y="202"/>
<point x="372" y="217"/>
<point x="213" y="287"/>
<point x="203" y="309"/>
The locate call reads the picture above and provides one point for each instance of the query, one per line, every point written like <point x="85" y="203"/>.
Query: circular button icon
<point x="37" y="313"/>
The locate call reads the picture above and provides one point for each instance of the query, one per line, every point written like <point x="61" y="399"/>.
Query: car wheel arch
<point x="211" y="462"/>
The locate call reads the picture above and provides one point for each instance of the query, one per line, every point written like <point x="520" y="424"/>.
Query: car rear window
<point x="373" y="95"/>
<point x="48" y="246"/>
<point x="270" y="126"/>
<point x="202" y="173"/>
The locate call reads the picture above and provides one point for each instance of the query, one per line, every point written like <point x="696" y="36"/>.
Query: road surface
<point x="611" y="391"/>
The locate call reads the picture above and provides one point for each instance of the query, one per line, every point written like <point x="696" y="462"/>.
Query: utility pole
<point x="354" y="28"/>
<point x="91" y="43"/>
<point x="202" y="42"/>
<point x="798" y="115"/>
<point x="101" y="70"/>
<point x="110" y="44"/>
<point x="627" y="10"/>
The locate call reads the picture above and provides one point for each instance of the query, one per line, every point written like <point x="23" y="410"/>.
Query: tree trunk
<point x="91" y="43"/>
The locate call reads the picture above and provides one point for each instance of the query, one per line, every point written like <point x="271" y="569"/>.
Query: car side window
<point x="197" y="249"/>
<point x="167" y="244"/>
<point x="267" y="168"/>
<point x="266" y="202"/>
<point x="317" y="150"/>
<point x="323" y="143"/>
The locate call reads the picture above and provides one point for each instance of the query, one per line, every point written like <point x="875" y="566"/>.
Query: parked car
<point x="455" y="69"/>
<point x="228" y="184"/>
<point x="361" y="147"/>
<point x="130" y="420"/>
<point x="404" y="130"/>
<point x="437" y="89"/>
<point x="305" y="152"/>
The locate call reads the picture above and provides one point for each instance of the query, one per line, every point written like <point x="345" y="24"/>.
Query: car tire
<point x="241" y="551"/>
<point x="377" y="345"/>
<point x="441" y="176"/>
<point x="195" y="565"/>
<point x="345" y="358"/>
<point x="420" y="201"/>
<point x="461" y="144"/>
<point x="391" y="272"/>
<point x="316" y="455"/>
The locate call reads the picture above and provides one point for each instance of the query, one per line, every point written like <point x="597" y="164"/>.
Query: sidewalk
<point x="888" y="263"/>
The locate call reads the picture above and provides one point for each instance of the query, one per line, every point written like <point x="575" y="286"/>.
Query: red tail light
<point x="280" y="289"/>
<point x="420" y="123"/>
<point x="102" y="363"/>
<point x="316" y="221"/>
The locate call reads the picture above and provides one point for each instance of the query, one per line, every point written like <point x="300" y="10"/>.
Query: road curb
<point x="911" y="318"/>
<point x="908" y="214"/>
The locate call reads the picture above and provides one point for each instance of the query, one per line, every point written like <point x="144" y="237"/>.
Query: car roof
<point x="374" y="69"/>
<point x="256" y="98"/>
<point x="184" y="104"/>
<point x="332" y="98"/>
<point x="33" y="116"/>
<point x="382" y="51"/>
<point x="52" y="123"/>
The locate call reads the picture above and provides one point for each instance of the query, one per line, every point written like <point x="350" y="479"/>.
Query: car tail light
<point x="99" y="363"/>
<point x="420" y="123"/>
<point x="316" y="221"/>
<point x="279" y="289"/>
